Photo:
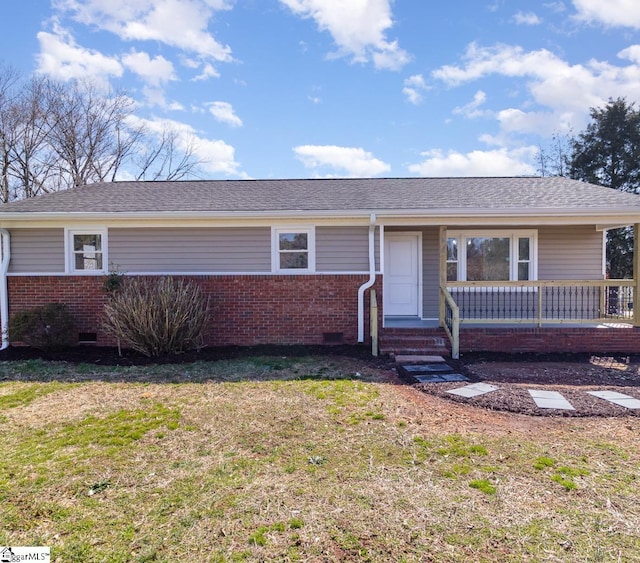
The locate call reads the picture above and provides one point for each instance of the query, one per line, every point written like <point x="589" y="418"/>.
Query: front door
<point x="402" y="275"/>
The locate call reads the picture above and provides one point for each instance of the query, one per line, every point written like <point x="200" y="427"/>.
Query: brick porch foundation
<point x="245" y="310"/>
<point x="551" y="339"/>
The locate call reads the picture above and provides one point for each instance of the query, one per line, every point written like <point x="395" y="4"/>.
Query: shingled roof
<point x="377" y="195"/>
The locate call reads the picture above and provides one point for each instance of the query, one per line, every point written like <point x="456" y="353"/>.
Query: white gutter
<point x="4" y="294"/>
<point x="372" y="276"/>
<point x="433" y="213"/>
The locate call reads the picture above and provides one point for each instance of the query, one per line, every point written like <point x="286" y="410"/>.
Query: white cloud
<point x="631" y="53"/>
<point x="614" y="13"/>
<point x="414" y="88"/>
<point x="472" y="109"/>
<point x="62" y="58"/>
<point x="357" y="27"/>
<point x="223" y="112"/>
<point x="155" y="96"/>
<point x="350" y="161"/>
<point x="545" y="123"/>
<point x="154" y="71"/>
<point x="499" y="162"/>
<point x="208" y="71"/>
<point x="509" y="60"/>
<point x="526" y="18"/>
<point x="215" y="156"/>
<point x="560" y="93"/>
<point x="557" y="7"/>
<point x="179" y="23"/>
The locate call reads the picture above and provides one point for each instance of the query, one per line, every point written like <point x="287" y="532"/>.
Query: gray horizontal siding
<point x="190" y="249"/>
<point x="37" y="251"/>
<point x="569" y="253"/>
<point x="430" y="272"/>
<point x="344" y="249"/>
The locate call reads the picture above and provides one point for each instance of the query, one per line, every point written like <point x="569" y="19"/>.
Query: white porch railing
<point x="451" y="322"/>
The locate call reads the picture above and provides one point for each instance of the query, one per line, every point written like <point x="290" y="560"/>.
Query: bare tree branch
<point x="56" y="135"/>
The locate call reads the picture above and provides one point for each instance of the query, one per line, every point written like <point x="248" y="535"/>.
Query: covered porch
<point x="519" y="314"/>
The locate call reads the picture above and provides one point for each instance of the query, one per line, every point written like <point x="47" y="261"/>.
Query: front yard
<point x="301" y="459"/>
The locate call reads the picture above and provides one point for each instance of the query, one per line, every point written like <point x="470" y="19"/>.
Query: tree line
<point x="57" y="135"/>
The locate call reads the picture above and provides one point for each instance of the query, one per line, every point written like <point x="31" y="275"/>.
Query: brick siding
<point x="246" y="310"/>
<point x="263" y="309"/>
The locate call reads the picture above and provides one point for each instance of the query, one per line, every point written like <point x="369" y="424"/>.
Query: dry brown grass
<point x="309" y="470"/>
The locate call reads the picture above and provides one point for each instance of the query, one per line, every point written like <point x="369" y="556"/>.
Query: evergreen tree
<point x="608" y="153"/>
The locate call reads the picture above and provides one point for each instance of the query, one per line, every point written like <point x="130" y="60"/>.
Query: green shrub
<point x="157" y="316"/>
<point x="49" y="327"/>
<point x="112" y="281"/>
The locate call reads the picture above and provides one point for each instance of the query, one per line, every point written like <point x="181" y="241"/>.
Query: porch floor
<point x="409" y="322"/>
<point x="417" y="322"/>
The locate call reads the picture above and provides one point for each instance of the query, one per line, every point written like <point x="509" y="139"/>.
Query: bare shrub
<point x="48" y="327"/>
<point x="157" y="316"/>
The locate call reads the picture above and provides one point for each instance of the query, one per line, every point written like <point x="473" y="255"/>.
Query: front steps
<point x="414" y="341"/>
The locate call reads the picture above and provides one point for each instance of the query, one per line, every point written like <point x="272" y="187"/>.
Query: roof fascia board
<point x="612" y="216"/>
<point x="111" y="221"/>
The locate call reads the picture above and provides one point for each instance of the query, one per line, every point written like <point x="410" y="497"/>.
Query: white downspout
<point x="4" y="294"/>
<point x="372" y="276"/>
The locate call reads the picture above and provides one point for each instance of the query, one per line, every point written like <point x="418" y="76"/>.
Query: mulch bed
<point x="570" y="374"/>
<point x="108" y="356"/>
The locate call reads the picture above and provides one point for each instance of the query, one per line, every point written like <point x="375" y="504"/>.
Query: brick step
<point x="413" y="344"/>
<point x="425" y="332"/>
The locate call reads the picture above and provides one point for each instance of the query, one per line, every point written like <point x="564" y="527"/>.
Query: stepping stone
<point x="435" y="378"/>
<point x="550" y="400"/>
<point x="439" y="378"/>
<point x="427" y="368"/>
<point x="473" y="390"/>
<point x="413" y="359"/>
<point x="617" y="398"/>
<point x="453" y="377"/>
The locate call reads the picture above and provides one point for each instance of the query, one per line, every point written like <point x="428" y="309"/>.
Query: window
<point x="86" y="251"/>
<point x="294" y="250"/>
<point x="491" y="256"/>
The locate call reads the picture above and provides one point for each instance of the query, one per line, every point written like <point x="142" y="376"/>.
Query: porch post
<point x="442" y="275"/>
<point x="636" y="274"/>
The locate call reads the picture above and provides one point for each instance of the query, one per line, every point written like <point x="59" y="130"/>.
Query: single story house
<point x="469" y="263"/>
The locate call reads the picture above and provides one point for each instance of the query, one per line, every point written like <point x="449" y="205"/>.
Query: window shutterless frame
<point x="293" y="250"/>
<point x="519" y="247"/>
<point x="86" y="251"/>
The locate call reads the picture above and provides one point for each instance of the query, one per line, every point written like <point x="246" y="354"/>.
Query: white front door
<point x="401" y="274"/>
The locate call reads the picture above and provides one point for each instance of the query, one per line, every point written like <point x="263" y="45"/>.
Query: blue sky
<point x="343" y="88"/>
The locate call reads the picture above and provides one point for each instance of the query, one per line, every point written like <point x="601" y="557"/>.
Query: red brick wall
<point x="552" y="339"/>
<point x="82" y="294"/>
<point x="246" y="310"/>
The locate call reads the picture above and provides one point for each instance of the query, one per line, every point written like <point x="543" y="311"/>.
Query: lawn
<point x="301" y="459"/>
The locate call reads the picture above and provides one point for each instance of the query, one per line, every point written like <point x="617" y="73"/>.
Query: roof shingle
<point x="317" y="195"/>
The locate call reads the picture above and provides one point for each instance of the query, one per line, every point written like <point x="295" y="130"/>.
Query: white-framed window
<point x="293" y="250"/>
<point x="86" y="251"/>
<point x="492" y="255"/>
